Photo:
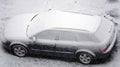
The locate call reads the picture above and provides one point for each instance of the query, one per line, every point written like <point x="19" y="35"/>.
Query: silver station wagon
<point x="59" y="33"/>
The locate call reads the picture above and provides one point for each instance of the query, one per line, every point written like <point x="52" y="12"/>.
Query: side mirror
<point x="33" y="38"/>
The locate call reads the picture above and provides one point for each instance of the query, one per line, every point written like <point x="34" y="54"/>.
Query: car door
<point x="66" y="43"/>
<point x="45" y="41"/>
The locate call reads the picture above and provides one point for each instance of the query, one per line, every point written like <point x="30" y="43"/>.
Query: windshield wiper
<point x="33" y="17"/>
<point x="29" y="25"/>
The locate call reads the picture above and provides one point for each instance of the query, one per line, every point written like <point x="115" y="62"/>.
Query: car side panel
<point x="42" y="45"/>
<point x="66" y="47"/>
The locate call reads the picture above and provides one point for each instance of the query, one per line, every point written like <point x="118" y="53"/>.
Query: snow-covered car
<point x="86" y="37"/>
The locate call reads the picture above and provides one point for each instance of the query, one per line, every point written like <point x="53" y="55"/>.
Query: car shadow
<point x="53" y="57"/>
<point x="5" y="50"/>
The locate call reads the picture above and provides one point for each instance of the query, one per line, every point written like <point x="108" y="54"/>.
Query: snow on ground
<point x="10" y="8"/>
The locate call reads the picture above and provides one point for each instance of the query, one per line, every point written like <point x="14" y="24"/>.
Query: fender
<point x="18" y="43"/>
<point x="85" y="50"/>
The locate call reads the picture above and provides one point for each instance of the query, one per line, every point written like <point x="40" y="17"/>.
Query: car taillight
<point x="104" y="48"/>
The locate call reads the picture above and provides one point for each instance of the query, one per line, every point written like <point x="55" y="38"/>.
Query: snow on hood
<point x="54" y="18"/>
<point x="16" y="27"/>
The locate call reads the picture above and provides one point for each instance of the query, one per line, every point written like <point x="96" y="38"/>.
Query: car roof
<point x="70" y="29"/>
<point x="62" y="19"/>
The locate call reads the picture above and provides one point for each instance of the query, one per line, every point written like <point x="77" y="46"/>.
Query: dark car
<point x="60" y="33"/>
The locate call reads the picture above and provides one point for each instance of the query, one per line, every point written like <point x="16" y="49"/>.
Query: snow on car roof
<point x="61" y="19"/>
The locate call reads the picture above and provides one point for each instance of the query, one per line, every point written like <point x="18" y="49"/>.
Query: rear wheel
<point x="19" y="50"/>
<point x="85" y="58"/>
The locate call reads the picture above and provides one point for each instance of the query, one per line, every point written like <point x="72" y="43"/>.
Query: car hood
<point x="15" y="29"/>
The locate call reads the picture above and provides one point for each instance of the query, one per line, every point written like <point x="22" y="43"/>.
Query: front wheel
<point x="19" y="50"/>
<point x="85" y="58"/>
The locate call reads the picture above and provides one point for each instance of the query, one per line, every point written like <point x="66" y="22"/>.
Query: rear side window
<point x="47" y="34"/>
<point x="85" y="37"/>
<point x="67" y="36"/>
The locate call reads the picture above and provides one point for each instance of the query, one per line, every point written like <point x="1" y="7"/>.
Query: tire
<point x="85" y="58"/>
<point x="19" y="50"/>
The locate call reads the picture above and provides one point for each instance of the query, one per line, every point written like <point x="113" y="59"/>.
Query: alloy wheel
<point x="85" y="58"/>
<point x="19" y="50"/>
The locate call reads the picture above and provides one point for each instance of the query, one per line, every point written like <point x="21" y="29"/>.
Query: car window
<point x="85" y="37"/>
<point x="47" y="34"/>
<point x="67" y="36"/>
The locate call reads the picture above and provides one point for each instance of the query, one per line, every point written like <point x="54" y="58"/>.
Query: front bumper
<point x="6" y="45"/>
